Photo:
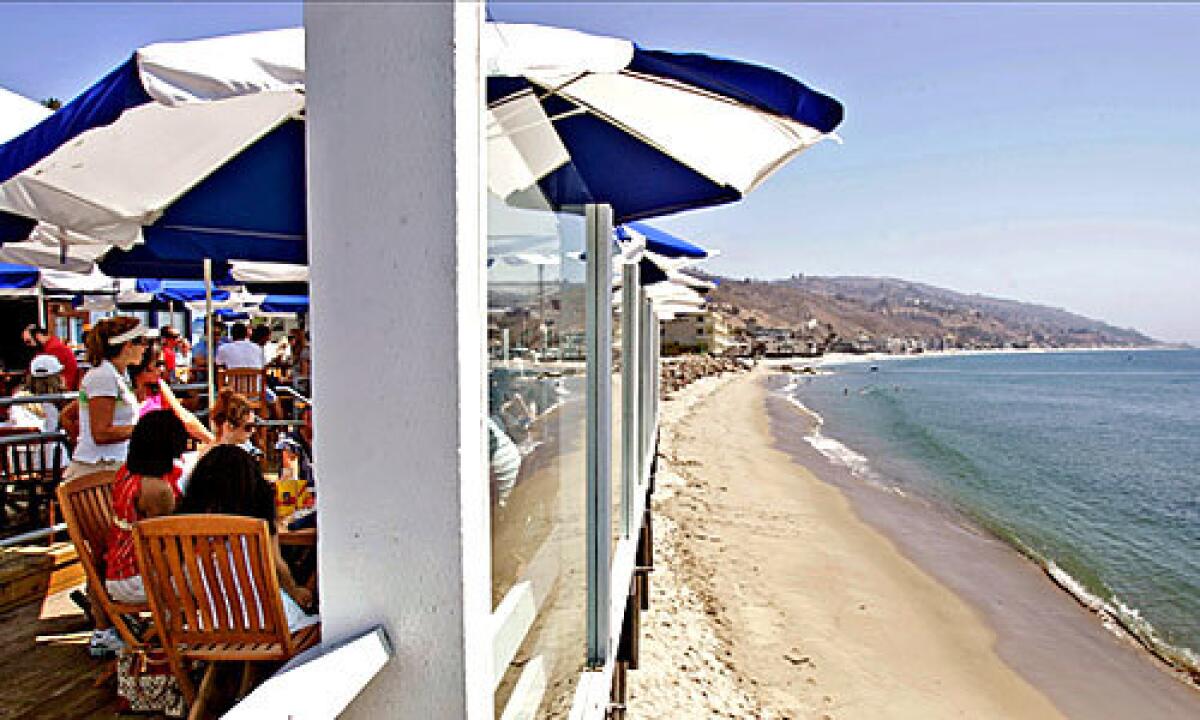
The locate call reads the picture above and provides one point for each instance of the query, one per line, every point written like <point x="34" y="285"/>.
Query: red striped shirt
<point x="121" y="560"/>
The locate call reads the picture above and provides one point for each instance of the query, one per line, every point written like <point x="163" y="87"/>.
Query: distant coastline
<point x="813" y="315"/>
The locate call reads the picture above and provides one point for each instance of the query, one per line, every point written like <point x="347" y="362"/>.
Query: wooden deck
<point x="45" y="664"/>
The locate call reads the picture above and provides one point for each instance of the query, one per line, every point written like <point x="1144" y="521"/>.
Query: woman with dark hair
<point x="107" y="404"/>
<point x="154" y="393"/>
<point x="147" y="486"/>
<point x="228" y="481"/>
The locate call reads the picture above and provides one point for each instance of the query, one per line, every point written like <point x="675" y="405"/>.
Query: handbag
<point x="147" y="685"/>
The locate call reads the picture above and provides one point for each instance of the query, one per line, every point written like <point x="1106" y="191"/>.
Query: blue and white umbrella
<point x="18" y="280"/>
<point x="659" y="242"/>
<point x="195" y="150"/>
<point x="177" y="291"/>
<point x="577" y="119"/>
<point x="284" y="305"/>
<point x="186" y="151"/>
<point x="29" y="280"/>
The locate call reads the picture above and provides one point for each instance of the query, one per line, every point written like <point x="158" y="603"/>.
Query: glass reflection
<point x="536" y="440"/>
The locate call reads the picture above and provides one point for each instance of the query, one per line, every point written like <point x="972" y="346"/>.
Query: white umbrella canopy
<point x="244" y="271"/>
<point x="63" y="281"/>
<point x="41" y="252"/>
<point x="18" y="114"/>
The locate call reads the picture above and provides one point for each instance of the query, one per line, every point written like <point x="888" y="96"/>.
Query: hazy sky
<point x="1042" y="153"/>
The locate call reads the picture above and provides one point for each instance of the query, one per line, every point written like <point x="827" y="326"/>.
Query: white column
<point x="395" y="179"/>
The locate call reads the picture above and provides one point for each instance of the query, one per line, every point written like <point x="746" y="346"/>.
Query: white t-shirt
<point x="104" y="381"/>
<point x="240" y="354"/>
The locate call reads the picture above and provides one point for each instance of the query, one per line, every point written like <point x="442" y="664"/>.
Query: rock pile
<point x="679" y="372"/>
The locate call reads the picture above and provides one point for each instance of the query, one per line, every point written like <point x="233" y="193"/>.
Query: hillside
<point x="869" y="311"/>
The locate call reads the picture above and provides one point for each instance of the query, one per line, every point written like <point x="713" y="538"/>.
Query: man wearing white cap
<point x="45" y="378"/>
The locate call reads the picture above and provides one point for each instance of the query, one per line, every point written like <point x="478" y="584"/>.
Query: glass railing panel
<point x="617" y="430"/>
<point x="537" y="442"/>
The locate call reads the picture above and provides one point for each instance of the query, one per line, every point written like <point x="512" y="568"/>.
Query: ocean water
<point x="1088" y="462"/>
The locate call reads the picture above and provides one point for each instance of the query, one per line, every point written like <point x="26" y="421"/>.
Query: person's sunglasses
<point x="138" y="342"/>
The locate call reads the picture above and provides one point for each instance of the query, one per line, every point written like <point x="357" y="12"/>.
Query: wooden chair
<point x="31" y="467"/>
<point x="87" y="506"/>
<point x="215" y="596"/>
<point x="249" y="382"/>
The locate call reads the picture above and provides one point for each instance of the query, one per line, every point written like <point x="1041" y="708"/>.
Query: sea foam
<point x="833" y="450"/>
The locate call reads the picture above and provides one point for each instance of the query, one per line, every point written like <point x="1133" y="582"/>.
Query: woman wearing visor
<point x="108" y="407"/>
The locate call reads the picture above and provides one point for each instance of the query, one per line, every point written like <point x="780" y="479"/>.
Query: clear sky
<point x="1042" y="153"/>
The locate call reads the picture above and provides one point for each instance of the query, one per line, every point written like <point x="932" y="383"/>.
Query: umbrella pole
<point x="208" y="329"/>
<point x="41" y="305"/>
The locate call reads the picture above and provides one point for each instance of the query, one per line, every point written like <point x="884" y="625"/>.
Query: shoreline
<point x="785" y="587"/>
<point x="1128" y="657"/>
<point x="815" y="613"/>
<point x="1123" y="621"/>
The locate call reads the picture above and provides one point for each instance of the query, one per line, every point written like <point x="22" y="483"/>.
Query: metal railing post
<point x="599" y="429"/>
<point x="631" y="362"/>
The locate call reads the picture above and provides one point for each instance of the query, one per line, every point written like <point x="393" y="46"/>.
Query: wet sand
<point x="787" y="588"/>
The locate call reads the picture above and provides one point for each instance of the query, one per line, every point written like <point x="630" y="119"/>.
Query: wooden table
<point x="304" y="537"/>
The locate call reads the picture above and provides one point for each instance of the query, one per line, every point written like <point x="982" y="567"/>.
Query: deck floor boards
<point x="47" y="673"/>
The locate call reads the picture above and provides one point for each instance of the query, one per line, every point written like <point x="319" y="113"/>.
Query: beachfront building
<point x="705" y="331"/>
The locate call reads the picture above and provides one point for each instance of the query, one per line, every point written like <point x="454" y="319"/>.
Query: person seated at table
<point x="170" y="342"/>
<point x="200" y="350"/>
<point x="244" y="353"/>
<point x="228" y="481"/>
<point x="297" y="450"/>
<point x="147" y="485"/>
<point x="45" y="378"/>
<point x="300" y="355"/>
<point x="233" y="422"/>
<point x="153" y="393"/>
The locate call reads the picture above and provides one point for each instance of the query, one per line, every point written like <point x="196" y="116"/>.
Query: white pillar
<point x="395" y="180"/>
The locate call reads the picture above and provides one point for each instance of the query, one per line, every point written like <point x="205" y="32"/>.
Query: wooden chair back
<point x="87" y="506"/>
<point x="31" y="467"/>
<point x="250" y="382"/>
<point x="211" y="581"/>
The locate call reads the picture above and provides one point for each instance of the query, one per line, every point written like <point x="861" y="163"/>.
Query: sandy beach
<point x="773" y="596"/>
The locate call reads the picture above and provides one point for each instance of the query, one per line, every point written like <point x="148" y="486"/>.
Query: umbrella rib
<point x="537" y="123"/>
<point x="233" y="231"/>
<point x="631" y="132"/>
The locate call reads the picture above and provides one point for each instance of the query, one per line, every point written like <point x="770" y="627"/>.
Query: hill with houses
<point x="863" y="314"/>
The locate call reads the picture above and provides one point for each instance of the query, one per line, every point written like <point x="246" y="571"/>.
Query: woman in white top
<point x="108" y="407"/>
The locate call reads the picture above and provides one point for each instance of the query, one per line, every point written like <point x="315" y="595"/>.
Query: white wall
<point x="394" y="108"/>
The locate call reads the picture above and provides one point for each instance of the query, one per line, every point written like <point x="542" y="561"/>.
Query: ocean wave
<point x="1125" y="621"/>
<point x="833" y="450"/>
